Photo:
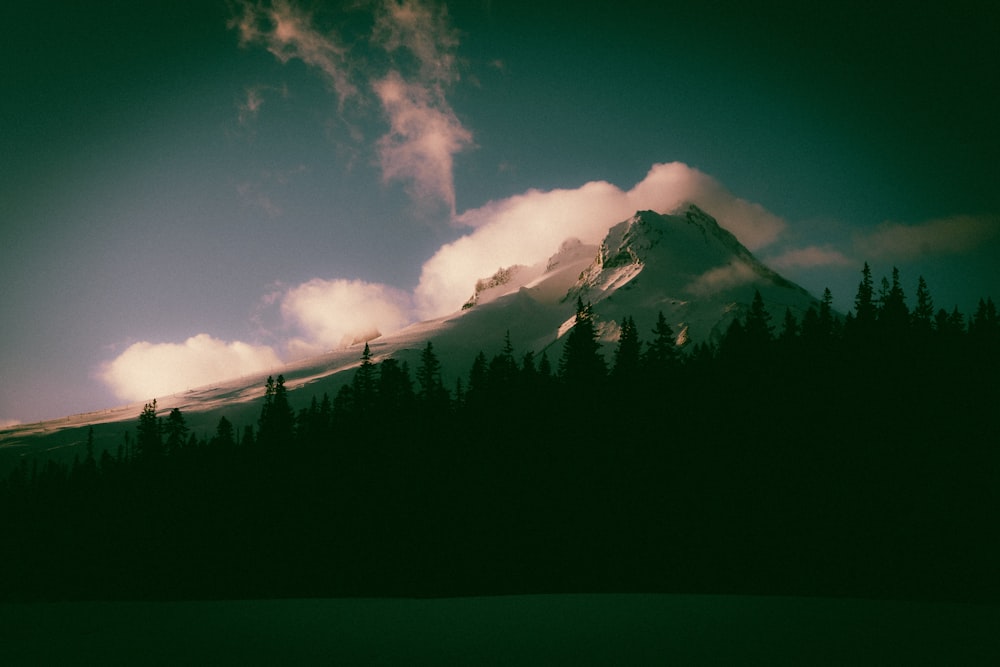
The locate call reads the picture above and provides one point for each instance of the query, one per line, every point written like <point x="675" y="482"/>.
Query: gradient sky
<point x="195" y="189"/>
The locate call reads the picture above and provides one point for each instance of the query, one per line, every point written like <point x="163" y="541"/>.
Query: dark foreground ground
<point x="514" y="630"/>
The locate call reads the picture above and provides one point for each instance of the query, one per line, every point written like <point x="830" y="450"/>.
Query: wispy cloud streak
<point x="288" y="33"/>
<point x="410" y="86"/>
<point x="942" y="236"/>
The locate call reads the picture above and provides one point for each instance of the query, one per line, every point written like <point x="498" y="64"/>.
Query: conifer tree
<point x="364" y="384"/>
<point x="627" y="353"/>
<point x="827" y="322"/>
<point x="661" y="352"/>
<point x="984" y="324"/>
<point x="478" y="377"/>
<point x="758" y="327"/>
<point x="789" y="329"/>
<point x="581" y="363"/>
<point x="395" y="389"/>
<point x="864" y="303"/>
<point x="431" y="392"/>
<point x="176" y="431"/>
<point x="277" y="419"/>
<point x="224" y="438"/>
<point x="544" y="367"/>
<point x="923" y="313"/>
<point x="149" y="438"/>
<point x="894" y="315"/>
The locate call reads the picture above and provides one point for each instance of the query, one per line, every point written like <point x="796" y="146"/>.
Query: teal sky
<point x="261" y="173"/>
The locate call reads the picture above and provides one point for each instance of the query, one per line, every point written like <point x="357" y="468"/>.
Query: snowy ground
<point x="525" y="630"/>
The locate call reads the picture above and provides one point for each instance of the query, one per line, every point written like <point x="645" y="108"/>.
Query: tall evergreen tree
<point x="430" y="389"/>
<point x="581" y="363"/>
<point x="627" y="353"/>
<point x="224" y="438"/>
<point x="789" y="329"/>
<point x="827" y="321"/>
<point x="149" y="434"/>
<point x="661" y="351"/>
<point x="758" y="327"/>
<point x="395" y="389"/>
<point x="176" y="431"/>
<point x="364" y="384"/>
<point x="277" y="419"/>
<point x="478" y="389"/>
<point x="922" y="316"/>
<point x="865" y="309"/>
<point x="984" y="324"/>
<point x="894" y="315"/>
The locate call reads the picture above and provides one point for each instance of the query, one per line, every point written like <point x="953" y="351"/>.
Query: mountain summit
<point x="683" y="264"/>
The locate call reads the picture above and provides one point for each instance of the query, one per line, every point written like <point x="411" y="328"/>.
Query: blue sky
<point x="190" y="189"/>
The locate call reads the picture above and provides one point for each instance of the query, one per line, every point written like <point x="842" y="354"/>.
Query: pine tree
<point x="864" y="303"/>
<point x="224" y="435"/>
<point x="176" y="431"/>
<point x="985" y="325"/>
<point x="277" y="419"/>
<point x="861" y="327"/>
<point x="894" y="315"/>
<point x="431" y="392"/>
<point x="789" y="329"/>
<point x="627" y="353"/>
<point x="758" y="327"/>
<point x="149" y="439"/>
<point x="478" y="389"/>
<point x="923" y="313"/>
<point x="545" y="367"/>
<point x="827" y="322"/>
<point x="395" y="389"/>
<point x="661" y="352"/>
<point x="364" y="384"/>
<point x="581" y="363"/>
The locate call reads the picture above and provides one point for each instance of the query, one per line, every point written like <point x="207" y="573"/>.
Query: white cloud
<point x="943" y="236"/>
<point x="808" y="257"/>
<point x="149" y="370"/>
<point x="423" y="139"/>
<point x="334" y="313"/>
<point x="8" y="423"/>
<point x="528" y="228"/>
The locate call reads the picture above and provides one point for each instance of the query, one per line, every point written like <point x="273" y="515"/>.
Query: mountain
<point x="683" y="264"/>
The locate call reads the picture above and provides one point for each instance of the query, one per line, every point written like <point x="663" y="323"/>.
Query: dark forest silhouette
<point x="844" y="456"/>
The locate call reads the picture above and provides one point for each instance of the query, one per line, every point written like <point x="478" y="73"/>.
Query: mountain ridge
<point x="682" y="263"/>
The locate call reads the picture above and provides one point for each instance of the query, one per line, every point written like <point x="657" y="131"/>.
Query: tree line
<point x="834" y="455"/>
